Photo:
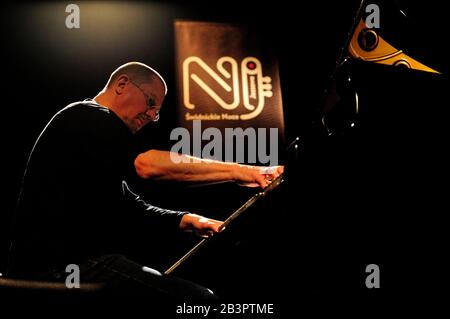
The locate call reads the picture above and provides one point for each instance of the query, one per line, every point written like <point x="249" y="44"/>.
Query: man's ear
<point x="121" y="83"/>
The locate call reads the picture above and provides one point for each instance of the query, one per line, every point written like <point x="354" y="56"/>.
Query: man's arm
<point x="163" y="165"/>
<point x="188" y="222"/>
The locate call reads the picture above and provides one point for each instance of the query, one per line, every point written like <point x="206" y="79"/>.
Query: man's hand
<point x="254" y="176"/>
<point x="202" y="226"/>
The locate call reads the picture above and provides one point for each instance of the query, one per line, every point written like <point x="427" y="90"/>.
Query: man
<point x="75" y="206"/>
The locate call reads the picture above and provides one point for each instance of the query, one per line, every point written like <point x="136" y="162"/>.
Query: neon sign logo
<point x="254" y="86"/>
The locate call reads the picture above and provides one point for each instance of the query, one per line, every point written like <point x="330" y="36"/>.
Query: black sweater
<point x="74" y="202"/>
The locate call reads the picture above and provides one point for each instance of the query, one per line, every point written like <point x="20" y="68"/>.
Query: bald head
<point x="138" y="72"/>
<point x="135" y="93"/>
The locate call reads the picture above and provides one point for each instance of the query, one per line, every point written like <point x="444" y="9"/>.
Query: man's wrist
<point x="186" y="221"/>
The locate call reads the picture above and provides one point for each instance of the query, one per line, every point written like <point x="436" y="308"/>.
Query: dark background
<point x="350" y="199"/>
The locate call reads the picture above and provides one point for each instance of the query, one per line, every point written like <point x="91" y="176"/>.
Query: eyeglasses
<point x="150" y="103"/>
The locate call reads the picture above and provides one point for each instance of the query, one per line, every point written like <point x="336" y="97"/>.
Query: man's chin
<point x="136" y="125"/>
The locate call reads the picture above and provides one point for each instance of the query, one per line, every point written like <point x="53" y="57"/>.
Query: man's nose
<point x="153" y="114"/>
<point x="150" y="113"/>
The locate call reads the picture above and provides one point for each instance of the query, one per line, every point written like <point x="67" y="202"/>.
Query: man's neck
<point x="103" y="99"/>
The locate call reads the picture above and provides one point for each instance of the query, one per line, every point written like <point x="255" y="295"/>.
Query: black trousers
<point x="124" y="278"/>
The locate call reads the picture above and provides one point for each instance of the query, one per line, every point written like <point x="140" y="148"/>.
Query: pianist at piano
<point x="75" y="206"/>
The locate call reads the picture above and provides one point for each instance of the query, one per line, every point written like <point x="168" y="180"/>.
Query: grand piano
<point x="366" y="183"/>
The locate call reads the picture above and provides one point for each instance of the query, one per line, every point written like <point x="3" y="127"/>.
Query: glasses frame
<point x="150" y="103"/>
